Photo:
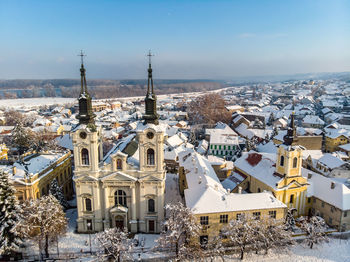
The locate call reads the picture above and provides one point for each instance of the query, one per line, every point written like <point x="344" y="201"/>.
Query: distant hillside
<point x="99" y="88"/>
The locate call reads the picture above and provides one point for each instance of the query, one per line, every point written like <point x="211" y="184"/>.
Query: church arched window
<point x="120" y="198"/>
<point x="151" y="205"/>
<point x="119" y="164"/>
<point x="282" y="161"/>
<point x="85" y="157"/>
<point x="295" y="162"/>
<point x="150" y="157"/>
<point x="88" y="206"/>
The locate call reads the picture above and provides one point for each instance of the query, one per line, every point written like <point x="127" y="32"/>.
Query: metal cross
<point x="149" y="56"/>
<point x="82" y="56"/>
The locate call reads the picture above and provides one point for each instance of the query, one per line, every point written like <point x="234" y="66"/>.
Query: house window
<point x="239" y="216"/>
<point x="224" y="147"/>
<point x="88" y="206"/>
<point x="150" y="157"/>
<point x="120" y="198"/>
<point x="291" y="200"/>
<point x="330" y="221"/>
<point x="219" y="146"/>
<point x="215" y="146"/>
<point x="345" y="213"/>
<point x="282" y="161"/>
<point x="295" y="162"/>
<point x="256" y="215"/>
<point x="322" y="204"/>
<point x="272" y="214"/>
<point x="259" y="190"/>
<point x="309" y="199"/>
<point x="223" y="219"/>
<point x="151" y="205"/>
<point x="314" y="200"/>
<point x="332" y="209"/>
<point x="85" y="157"/>
<point x="119" y="164"/>
<point x="229" y="147"/>
<point x="204" y="220"/>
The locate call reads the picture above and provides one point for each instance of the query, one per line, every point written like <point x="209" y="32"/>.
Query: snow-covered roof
<point x="331" y="161"/>
<point x="205" y="194"/>
<point x="32" y="166"/>
<point x="328" y="190"/>
<point x="259" y="165"/>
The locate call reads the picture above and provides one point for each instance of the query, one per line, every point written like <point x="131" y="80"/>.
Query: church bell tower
<point x="87" y="141"/>
<point x="150" y="116"/>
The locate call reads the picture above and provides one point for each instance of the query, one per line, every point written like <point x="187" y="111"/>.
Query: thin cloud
<point x="247" y="35"/>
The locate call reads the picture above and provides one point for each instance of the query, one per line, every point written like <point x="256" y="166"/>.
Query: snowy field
<point x="27" y="103"/>
<point x="35" y="102"/>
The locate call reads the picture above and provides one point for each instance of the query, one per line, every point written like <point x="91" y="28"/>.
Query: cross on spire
<point x="149" y="56"/>
<point x="82" y="56"/>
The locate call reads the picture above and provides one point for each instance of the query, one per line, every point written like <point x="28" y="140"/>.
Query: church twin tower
<point x="125" y="187"/>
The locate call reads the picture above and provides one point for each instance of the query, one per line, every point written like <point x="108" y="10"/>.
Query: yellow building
<point x="335" y="139"/>
<point x="212" y="204"/>
<point x="32" y="178"/>
<point x="279" y="174"/>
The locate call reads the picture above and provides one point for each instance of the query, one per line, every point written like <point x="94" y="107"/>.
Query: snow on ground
<point x="336" y="250"/>
<point x="71" y="242"/>
<point x="35" y="102"/>
<point x="172" y="194"/>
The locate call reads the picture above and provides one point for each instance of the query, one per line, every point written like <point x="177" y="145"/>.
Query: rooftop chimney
<point x="332" y="185"/>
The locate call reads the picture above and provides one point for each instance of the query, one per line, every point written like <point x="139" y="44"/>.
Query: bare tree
<point x="208" y="109"/>
<point x="240" y="233"/>
<point x="315" y="229"/>
<point x="115" y="244"/>
<point x="42" y="220"/>
<point x="271" y="233"/>
<point x="180" y="229"/>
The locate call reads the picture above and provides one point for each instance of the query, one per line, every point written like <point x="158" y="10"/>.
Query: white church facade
<point x="125" y="188"/>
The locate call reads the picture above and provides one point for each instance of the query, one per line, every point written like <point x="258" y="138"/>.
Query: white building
<point x="126" y="187"/>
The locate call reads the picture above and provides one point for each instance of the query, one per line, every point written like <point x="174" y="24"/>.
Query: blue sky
<point x="190" y="39"/>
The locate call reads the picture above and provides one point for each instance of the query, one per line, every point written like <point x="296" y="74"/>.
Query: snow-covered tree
<point x="56" y="191"/>
<point x="271" y="233"/>
<point x="241" y="233"/>
<point x="290" y="220"/>
<point x="43" y="141"/>
<point x="114" y="243"/>
<point x="271" y="119"/>
<point x="274" y="132"/>
<point x="43" y="221"/>
<point x="9" y="238"/>
<point x="180" y="229"/>
<point x="21" y="138"/>
<point x="315" y="229"/>
<point x="215" y="248"/>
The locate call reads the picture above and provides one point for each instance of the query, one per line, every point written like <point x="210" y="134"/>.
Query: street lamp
<point x="89" y="229"/>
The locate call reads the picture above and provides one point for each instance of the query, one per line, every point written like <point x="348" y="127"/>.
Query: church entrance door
<point x="119" y="222"/>
<point x="151" y="226"/>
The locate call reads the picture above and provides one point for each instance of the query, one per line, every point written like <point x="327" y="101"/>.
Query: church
<point x="124" y="188"/>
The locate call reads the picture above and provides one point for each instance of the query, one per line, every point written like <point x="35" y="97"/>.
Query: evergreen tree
<point x="21" y="138"/>
<point x="56" y="191"/>
<point x="9" y="239"/>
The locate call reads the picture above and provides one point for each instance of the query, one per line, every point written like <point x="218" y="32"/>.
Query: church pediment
<point x="85" y="178"/>
<point x="149" y="178"/>
<point x="118" y="176"/>
<point x="149" y="144"/>
<point x="294" y="184"/>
